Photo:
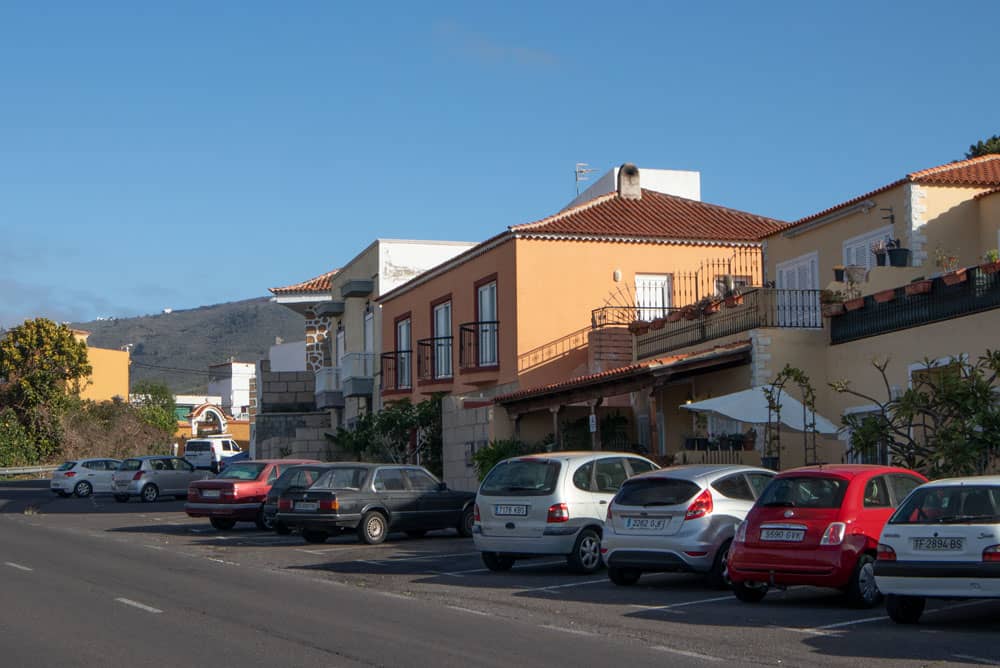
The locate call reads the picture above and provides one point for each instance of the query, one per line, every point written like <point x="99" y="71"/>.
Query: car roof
<point x="578" y="454"/>
<point x="94" y="459"/>
<point x="148" y="457"/>
<point x="278" y="461"/>
<point x="968" y="480"/>
<point x="691" y="471"/>
<point x="843" y="470"/>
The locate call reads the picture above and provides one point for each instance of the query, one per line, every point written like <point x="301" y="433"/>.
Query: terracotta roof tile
<point x="981" y="195"/>
<point x="321" y="283"/>
<point x="654" y="215"/>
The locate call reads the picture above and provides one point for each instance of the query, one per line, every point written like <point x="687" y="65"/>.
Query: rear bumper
<point x="235" y="511"/>
<point x="62" y="485"/>
<point x="561" y="544"/>
<point x="659" y="553"/>
<point x="821" y="567"/>
<point x="328" y="522"/>
<point x="939" y="579"/>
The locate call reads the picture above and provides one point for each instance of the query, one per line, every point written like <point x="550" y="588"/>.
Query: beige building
<point x="109" y="376"/>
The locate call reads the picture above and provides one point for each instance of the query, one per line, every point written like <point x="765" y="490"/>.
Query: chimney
<point x="628" y="182"/>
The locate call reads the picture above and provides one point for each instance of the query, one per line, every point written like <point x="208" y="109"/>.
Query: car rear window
<point x="965" y="504"/>
<point x="130" y="465"/>
<point x="197" y="446"/>
<point x="242" y="471"/>
<point x="804" y="492"/>
<point x="343" y="477"/>
<point x="522" y="477"/>
<point x="66" y="466"/>
<point x="298" y="476"/>
<point x="656" y="492"/>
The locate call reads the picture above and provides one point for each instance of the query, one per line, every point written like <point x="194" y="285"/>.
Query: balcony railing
<point x="357" y="365"/>
<point x="479" y="344"/>
<point x="759" y="307"/>
<point x="434" y="358"/>
<point x="895" y="310"/>
<point x="328" y="380"/>
<point x="396" y="370"/>
<point x="622" y="315"/>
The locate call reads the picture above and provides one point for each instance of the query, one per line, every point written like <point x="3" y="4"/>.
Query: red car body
<point x="232" y="497"/>
<point x="817" y="542"/>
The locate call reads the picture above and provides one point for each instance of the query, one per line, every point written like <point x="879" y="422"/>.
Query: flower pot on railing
<point x="854" y="304"/>
<point x="838" y="274"/>
<point x="955" y="277"/>
<point x="711" y="307"/>
<point x="898" y="257"/>
<point x="920" y="287"/>
<point x="990" y="267"/>
<point x="675" y="316"/>
<point x="885" y="296"/>
<point x="638" y="327"/>
<point x="879" y="259"/>
<point x="658" y="323"/>
<point x="832" y="310"/>
<point x="691" y="313"/>
<point x="733" y="301"/>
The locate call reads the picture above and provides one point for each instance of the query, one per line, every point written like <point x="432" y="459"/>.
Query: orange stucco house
<point x="109" y="377"/>
<point x="546" y="301"/>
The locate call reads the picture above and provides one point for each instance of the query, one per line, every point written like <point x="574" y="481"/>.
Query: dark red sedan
<point x="238" y="493"/>
<point x="818" y="525"/>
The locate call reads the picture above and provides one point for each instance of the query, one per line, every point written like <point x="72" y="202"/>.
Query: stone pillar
<point x="556" y="440"/>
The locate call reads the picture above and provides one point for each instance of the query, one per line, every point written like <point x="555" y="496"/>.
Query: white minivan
<point x="551" y="503"/>
<point x="209" y="452"/>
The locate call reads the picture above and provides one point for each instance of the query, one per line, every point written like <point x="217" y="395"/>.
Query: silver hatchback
<point x="151" y="477"/>
<point x="681" y="518"/>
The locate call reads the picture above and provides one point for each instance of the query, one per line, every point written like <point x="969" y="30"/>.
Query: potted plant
<point x="750" y="439"/>
<point x="918" y="286"/>
<point x="658" y="323"/>
<point x="838" y="273"/>
<point x="831" y="302"/>
<point x="878" y="250"/>
<point x="947" y="262"/>
<point x="731" y="293"/>
<point x="638" y="327"/>
<point x="991" y="262"/>
<point x="885" y="296"/>
<point x="691" y="312"/>
<point x="854" y="303"/>
<point x="675" y="315"/>
<point x="898" y="256"/>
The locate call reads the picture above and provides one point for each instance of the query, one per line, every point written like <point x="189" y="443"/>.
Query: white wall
<point x="234" y="388"/>
<point x="401" y="260"/>
<point x="669" y="181"/>
<point x="288" y="356"/>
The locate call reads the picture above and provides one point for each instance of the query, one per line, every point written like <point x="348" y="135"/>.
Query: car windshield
<point x="196" y="446"/>
<point x="242" y="471"/>
<point x="522" y="477"/>
<point x="342" y="477"/>
<point x="804" y="492"/>
<point x="66" y="466"/>
<point x="656" y="492"/>
<point x="953" y="504"/>
<point x="130" y="465"/>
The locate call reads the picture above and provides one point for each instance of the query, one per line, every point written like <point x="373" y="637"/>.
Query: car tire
<point x="862" y="590"/>
<point x="497" y="562"/>
<point x="466" y="523"/>
<point x="221" y="523"/>
<point x="372" y="528"/>
<point x="586" y="555"/>
<point x="281" y="528"/>
<point x="262" y="522"/>
<point x="149" y="493"/>
<point x="905" y="609"/>
<point x="416" y="533"/>
<point x="749" y="593"/>
<point x="83" y="489"/>
<point x="624" y="577"/>
<point x="121" y="498"/>
<point x="313" y="536"/>
<point x="718" y="577"/>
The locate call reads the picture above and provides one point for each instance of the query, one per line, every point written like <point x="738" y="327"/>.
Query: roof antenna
<point x="582" y="173"/>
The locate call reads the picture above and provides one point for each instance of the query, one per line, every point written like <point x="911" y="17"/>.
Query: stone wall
<point x="317" y="342"/>
<point x="294" y="435"/>
<point x="285" y="391"/>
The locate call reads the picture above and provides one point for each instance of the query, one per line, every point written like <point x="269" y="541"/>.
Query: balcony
<point x="755" y="308"/>
<point x="357" y="374"/>
<point x="479" y="345"/>
<point x="928" y="301"/>
<point x="328" y="394"/>
<point x="357" y="287"/>
<point x="396" y="370"/>
<point x="434" y="359"/>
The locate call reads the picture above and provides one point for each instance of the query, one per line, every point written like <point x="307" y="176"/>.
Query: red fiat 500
<point x="818" y="525"/>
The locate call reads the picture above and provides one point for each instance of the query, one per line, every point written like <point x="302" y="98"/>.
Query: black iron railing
<point x="396" y="370"/>
<point x="895" y="310"/>
<point x="759" y="307"/>
<point x="607" y="316"/>
<point x="479" y="344"/>
<point x="434" y="358"/>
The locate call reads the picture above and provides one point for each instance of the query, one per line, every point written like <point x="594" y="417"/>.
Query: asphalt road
<point x="92" y="582"/>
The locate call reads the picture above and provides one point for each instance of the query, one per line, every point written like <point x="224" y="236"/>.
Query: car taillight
<point x="607" y="518"/>
<point x="741" y="533"/>
<point x="885" y="553"/>
<point x="701" y="506"/>
<point x="992" y="553"/>
<point x="284" y="504"/>
<point x="329" y="504"/>
<point x="70" y="474"/>
<point x="834" y="534"/>
<point x="137" y="476"/>
<point x="232" y="490"/>
<point x="558" y="512"/>
<point x="476" y="513"/>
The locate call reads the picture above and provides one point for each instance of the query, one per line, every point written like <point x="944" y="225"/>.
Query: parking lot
<point x="674" y="613"/>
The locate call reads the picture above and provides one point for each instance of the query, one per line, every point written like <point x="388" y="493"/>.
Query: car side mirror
<point x="442" y="486"/>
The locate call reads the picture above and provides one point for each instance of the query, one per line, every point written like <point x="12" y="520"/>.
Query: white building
<point x="231" y="381"/>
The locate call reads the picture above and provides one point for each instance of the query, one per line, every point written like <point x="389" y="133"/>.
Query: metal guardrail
<point x="21" y="470"/>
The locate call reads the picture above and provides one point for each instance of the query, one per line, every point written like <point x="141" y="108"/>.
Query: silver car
<point x="551" y="503"/>
<point x="680" y="518"/>
<point x="151" y="477"/>
<point x="84" y="477"/>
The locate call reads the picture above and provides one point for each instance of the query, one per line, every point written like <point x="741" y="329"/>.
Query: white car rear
<point x="942" y="542"/>
<point x="84" y="477"/>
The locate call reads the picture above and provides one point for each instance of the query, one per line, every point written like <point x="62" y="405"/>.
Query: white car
<point x="84" y="477"/>
<point x="210" y="452"/>
<point x="552" y="503"/>
<point x="942" y="542"/>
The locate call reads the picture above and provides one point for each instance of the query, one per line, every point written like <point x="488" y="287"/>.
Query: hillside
<point x="177" y="348"/>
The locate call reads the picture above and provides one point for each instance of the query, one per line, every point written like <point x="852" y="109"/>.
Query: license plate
<point x="645" y="523"/>
<point x="210" y="493"/>
<point x="306" y="505"/>
<point x="939" y="544"/>
<point x="787" y="535"/>
<point x="510" y="510"/>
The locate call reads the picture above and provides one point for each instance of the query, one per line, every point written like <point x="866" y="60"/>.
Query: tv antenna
<point x="582" y="173"/>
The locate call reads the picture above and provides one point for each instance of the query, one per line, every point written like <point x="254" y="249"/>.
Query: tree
<point x="947" y="423"/>
<point x="980" y="148"/>
<point x="155" y="405"/>
<point x="40" y="363"/>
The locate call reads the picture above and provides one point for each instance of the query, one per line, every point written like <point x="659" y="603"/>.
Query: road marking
<point x="222" y="561"/>
<point x="393" y="560"/>
<point x="690" y="655"/>
<point x="155" y="547"/>
<point x="977" y="659"/>
<point x="451" y="575"/>
<point x="564" y="629"/>
<point x="563" y="586"/>
<point x="140" y="606"/>
<point x="868" y="620"/>
<point x="470" y="611"/>
<point x="486" y="570"/>
<point x="684" y="603"/>
<point x="17" y="566"/>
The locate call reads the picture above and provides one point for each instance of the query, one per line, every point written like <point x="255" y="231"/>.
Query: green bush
<point x="16" y="446"/>
<point x="486" y="458"/>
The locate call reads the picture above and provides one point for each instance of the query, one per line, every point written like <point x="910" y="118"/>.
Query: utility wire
<point x="202" y="372"/>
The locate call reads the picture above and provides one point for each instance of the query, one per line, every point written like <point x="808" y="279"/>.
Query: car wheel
<point x="372" y="528"/>
<point x="904" y="609"/>
<point x="624" y="577"/>
<point x="150" y="493"/>
<point x="416" y="533"/>
<point x="466" y="523"/>
<point x="862" y="591"/>
<point x="718" y="577"/>
<point x="586" y="555"/>
<point x="312" y="536"/>
<point x="750" y="592"/>
<point x="83" y="489"/>
<point x="221" y="523"/>
<point x="497" y="562"/>
<point x="121" y="498"/>
<point x="263" y="522"/>
<point x="281" y="528"/>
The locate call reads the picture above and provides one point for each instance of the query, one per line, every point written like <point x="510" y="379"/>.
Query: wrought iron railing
<point x="479" y="344"/>
<point x="759" y="307"/>
<point x="396" y="370"/>
<point x="622" y="315"/>
<point x="980" y="291"/>
<point x="434" y="358"/>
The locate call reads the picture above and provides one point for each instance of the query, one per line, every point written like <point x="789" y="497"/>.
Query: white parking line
<point x="155" y="547"/>
<point x="868" y="620"/>
<point x="566" y="629"/>
<point x="470" y="611"/>
<point x="140" y="606"/>
<point x="977" y="659"/>
<point x="563" y="586"/>
<point x="684" y="603"/>
<point x="486" y="570"/>
<point x="17" y="566"/>
<point x="690" y="655"/>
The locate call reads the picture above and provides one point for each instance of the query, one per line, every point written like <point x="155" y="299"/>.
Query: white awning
<point x="750" y="406"/>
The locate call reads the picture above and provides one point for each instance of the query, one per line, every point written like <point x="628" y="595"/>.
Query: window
<point x="95" y="465"/>
<point x="421" y="481"/>
<point x="369" y="331"/>
<point x="804" y="492"/>
<point x="877" y="494"/>
<point x="735" y="487"/>
<point x="582" y="477"/>
<point x="610" y="474"/>
<point x="442" y="340"/>
<point x="341" y="344"/>
<point x="653" y="295"/>
<point x="181" y="465"/>
<point x="389" y="480"/>
<point x="759" y="481"/>
<point x="858" y="250"/>
<point x="902" y="485"/>
<point x="856" y="454"/>
<point x="739" y="282"/>
<point x="639" y="465"/>
<point x="521" y="477"/>
<point x="656" y="491"/>
<point x="273" y="475"/>
<point x="949" y="504"/>
<point x="486" y="314"/>
<point x="403" y="354"/>
<point x="797" y="308"/>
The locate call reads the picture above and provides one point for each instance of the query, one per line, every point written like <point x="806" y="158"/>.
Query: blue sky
<point x="178" y="154"/>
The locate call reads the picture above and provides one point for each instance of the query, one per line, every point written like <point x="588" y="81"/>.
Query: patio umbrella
<point x="751" y="406"/>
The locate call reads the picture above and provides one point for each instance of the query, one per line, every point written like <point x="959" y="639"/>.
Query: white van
<point x="208" y="452"/>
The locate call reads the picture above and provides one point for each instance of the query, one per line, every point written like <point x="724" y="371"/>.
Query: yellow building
<point x="109" y="377"/>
